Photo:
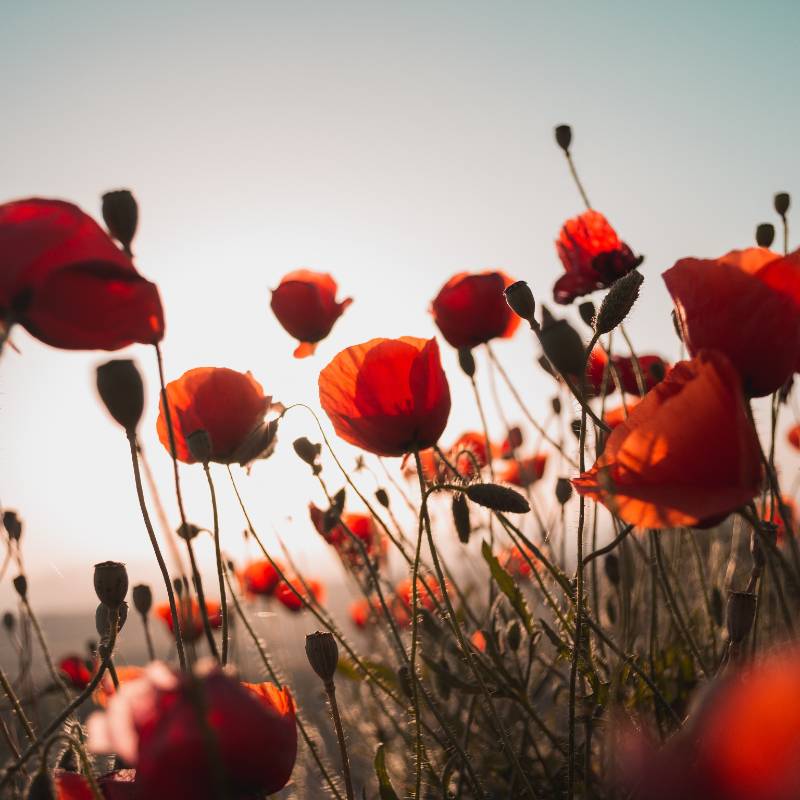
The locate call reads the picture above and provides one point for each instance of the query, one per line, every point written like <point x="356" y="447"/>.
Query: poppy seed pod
<point x="111" y="583"/>
<point x="104" y="616"/>
<point x="781" y="202"/>
<point x="765" y="234"/>
<point x="498" y="498"/>
<point x="9" y="621"/>
<point x="322" y="654"/>
<point x="563" y="490"/>
<point x="466" y="361"/>
<point x="563" y="137"/>
<point x="563" y="347"/>
<point x="588" y="312"/>
<point x="122" y="391"/>
<point x="13" y="525"/>
<point x="618" y="302"/>
<point x="555" y="404"/>
<point x="382" y="497"/>
<point x="187" y="531"/>
<point x="461" y="517"/>
<point x="521" y="301"/>
<point x="142" y="598"/>
<point x="740" y="614"/>
<point x="121" y="215"/>
<point x="199" y="444"/>
<point x="21" y="585"/>
<point x="307" y="451"/>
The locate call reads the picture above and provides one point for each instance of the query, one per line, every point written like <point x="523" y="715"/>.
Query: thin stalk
<point x="330" y="690"/>
<point x="220" y="568"/>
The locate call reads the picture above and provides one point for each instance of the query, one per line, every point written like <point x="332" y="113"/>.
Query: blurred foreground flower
<point x="305" y="304"/>
<point x="192" y="736"/>
<point x="190" y="618"/>
<point x="65" y="281"/>
<point x="75" y="671"/>
<point x="685" y="456"/>
<point x="286" y="593"/>
<point x="524" y="472"/>
<point x="387" y="396"/>
<point x="260" y="578"/>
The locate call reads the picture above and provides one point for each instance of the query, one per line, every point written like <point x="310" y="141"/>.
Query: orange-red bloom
<point x="387" y="396"/>
<point x="260" y="578"/>
<point x="65" y="281"/>
<point x="518" y="562"/>
<point x="745" y="304"/>
<point x="470" y="454"/>
<point x="593" y="256"/>
<point x="189" y="617"/>
<point x="686" y="453"/>
<point x="524" y="472"/>
<point x="361" y="611"/>
<point x="117" y="785"/>
<point x="617" y="415"/>
<point x="75" y="671"/>
<point x="653" y="369"/>
<point x="152" y="723"/>
<point x="793" y="437"/>
<point x="471" y="309"/>
<point x="361" y="526"/>
<point x="229" y="406"/>
<point x="305" y="304"/>
<point x="287" y="593"/>
<point x="106" y="690"/>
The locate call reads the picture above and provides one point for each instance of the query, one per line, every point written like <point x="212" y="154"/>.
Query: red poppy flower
<point x="286" y="593"/>
<point x="479" y="641"/>
<point x="433" y="468"/>
<point x="524" y="472"/>
<point x="471" y="309"/>
<point x="793" y="437"/>
<point x="260" y="578"/>
<point x="618" y="415"/>
<point x="65" y="281"/>
<point x="686" y="453"/>
<point x="593" y="256"/>
<point x="117" y="785"/>
<point x="653" y="369"/>
<point x="387" y="396"/>
<point x="360" y="612"/>
<point x="514" y="561"/>
<point x="745" y="304"/>
<point x="153" y="724"/>
<point x="470" y="454"/>
<point x="427" y="589"/>
<point x="361" y="526"/>
<point x="106" y="690"/>
<point x="305" y="304"/>
<point x="596" y="369"/>
<point x="190" y="618"/>
<point x="229" y="406"/>
<point x="75" y="672"/>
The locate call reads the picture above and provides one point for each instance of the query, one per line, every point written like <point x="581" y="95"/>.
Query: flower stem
<point x="220" y="568"/>
<point x="330" y="690"/>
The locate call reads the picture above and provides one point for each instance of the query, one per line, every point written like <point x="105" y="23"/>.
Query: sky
<point x="391" y="145"/>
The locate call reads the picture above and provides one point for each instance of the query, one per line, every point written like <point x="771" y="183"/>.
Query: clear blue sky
<point x="390" y="144"/>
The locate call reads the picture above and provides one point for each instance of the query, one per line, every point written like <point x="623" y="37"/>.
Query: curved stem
<point x="220" y="567"/>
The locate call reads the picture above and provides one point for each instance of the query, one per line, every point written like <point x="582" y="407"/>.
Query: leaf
<point x="508" y="587"/>
<point x="386" y="791"/>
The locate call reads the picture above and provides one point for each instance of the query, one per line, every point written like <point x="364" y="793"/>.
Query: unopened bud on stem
<point x="618" y="302"/>
<point x="111" y="583"/>
<point x="520" y="299"/>
<point x="563" y="137"/>
<point x="122" y="391"/>
<point x="121" y="215"/>
<point x="322" y="654"/>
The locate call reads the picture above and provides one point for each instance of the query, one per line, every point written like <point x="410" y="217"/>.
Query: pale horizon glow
<point x="389" y="146"/>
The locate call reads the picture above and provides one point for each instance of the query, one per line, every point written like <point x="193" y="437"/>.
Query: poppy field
<point x="600" y="603"/>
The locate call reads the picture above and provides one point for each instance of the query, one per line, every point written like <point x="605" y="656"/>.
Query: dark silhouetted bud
<point x="563" y="490"/>
<point x="121" y="215"/>
<point x="199" y="444"/>
<point x="177" y="585"/>
<point x="765" y="234"/>
<point x="466" y="361"/>
<point x="187" y="531"/>
<point x="338" y="502"/>
<point x="382" y="497"/>
<point x="555" y="404"/>
<point x="740" y="615"/>
<point x="322" y="654"/>
<point x="308" y="452"/>
<point x="587" y="312"/>
<point x="13" y="525"/>
<point x="103" y="618"/>
<point x="21" y="585"/>
<point x="563" y="346"/>
<point x="9" y="621"/>
<point x="142" y="598"/>
<point x="514" y="635"/>
<point x="68" y="761"/>
<point x="498" y="498"/>
<point x="781" y="202"/>
<point x="111" y="582"/>
<point x="575" y="427"/>
<point x="564" y="137"/>
<point x="520" y="299"/>
<point x="618" y="302"/>
<point x="41" y="787"/>
<point x="122" y="391"/>
<point x="260" y="444"/>
<point x="461" y="517"/>
<point x="611" y="567"/>
<point x="716" y="606"/>
<point x="404" y="679"/>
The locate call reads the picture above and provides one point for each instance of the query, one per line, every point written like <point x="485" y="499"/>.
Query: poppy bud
<point x="121" y="390"/>
<point x="41" y="787"/>
<point x="307" y="451"/>
<point x="110" y="582"/>
<point x="466" y="361"/>
<point x="121" y="215"/>
<point x="461" y="517"/>
<point x="177" y="585"/>
<point x="338" y="501"/>
<point x="563" y="490"/>
<point x="514" y="635"/>
<point x="68" y="761"/>
<point x="563" y="347"/>
<point x="765" y="234"/>
<point x="103" y="617"/>
<point x="520" y="299"/>
<point x="21" y="585"/>
<point x="199" y="444"/>
<point x="588" y="312"/>
<point x="187" y="531"/>
<point x="740" y="615"/>
<point x="142" y="598"/>
<point x="9" y="621"/>
<point x="13" y="525"/>
<point x="498" y="498"/>
<point x="781" y="202"/>
<point x="564" y="137"/>
<point x="618" y="302"/>
<point x="611" y="567"/>
<point x="382" y="497"/>
<point x="322" y="654"/>
<point x="555" y="404"/>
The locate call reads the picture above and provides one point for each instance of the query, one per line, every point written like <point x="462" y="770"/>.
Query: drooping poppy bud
<point x="563" y="346"/>
<point x="563" y="491"/>
<point x="498" y="498"/>
<point x="563" y="137"/>
<point x="461" y="517"/>
<point x="121" y="215"/>
<point x="142" y="598"/>
<point x="13" y="525"/>
<point x="21" y="586"/>
<point x="322" y="654"/>
<point x="9" y="621"/>
<point x="521" y="301"/>
<point x="466" y="361"/>
<point x="122" y="391"/>
<point x="382" y="497"/>
<point x="618" y="302"/>
<point x="187" y="531"/>
<point x="110" y="583"/>
<point x="765" y="234"/>
<point x="587" y="312"/>
<point x="307" y="451"/>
